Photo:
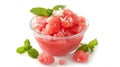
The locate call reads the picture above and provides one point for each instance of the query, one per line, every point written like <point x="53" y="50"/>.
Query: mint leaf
<point x="39" y="11"/>
<point x="49" y="12"/>
<point x="58" y="6"/>
<point x="33" y="53"/>
<point x="27" y="42"/>
<point x="21" y="50"/>
<point x="83" y="47"/>
<point x="92" y="44"/>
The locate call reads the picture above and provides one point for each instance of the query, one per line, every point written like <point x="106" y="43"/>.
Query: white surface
<point x="103" y="17"/>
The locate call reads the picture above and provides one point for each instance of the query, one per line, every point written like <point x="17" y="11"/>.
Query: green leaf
<point x="21" y="50"/>
<point x="33" y="53"/>
<point x="27" y="42"/>
<point x="49" y="12"/>
<point x="58" y="6"/>
<point x="92" y="44"/>
<point x="39" y="11"/>
<point x="83" y="47"/>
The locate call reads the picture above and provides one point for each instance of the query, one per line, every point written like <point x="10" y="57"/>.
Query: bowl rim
<point x="53" y="37"/>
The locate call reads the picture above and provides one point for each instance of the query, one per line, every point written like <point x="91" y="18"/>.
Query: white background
<point x="103" y="17"/>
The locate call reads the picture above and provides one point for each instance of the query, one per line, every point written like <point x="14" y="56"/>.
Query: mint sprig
<point x="40" y="11"/>
<point x="33" y="53"/>
<point x="88" y="47"/>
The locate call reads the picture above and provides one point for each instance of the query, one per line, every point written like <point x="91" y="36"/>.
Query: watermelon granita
<point x="60" y="33"/>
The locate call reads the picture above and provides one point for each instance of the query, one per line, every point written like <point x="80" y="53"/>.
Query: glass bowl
<point x="58" y="46"/>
